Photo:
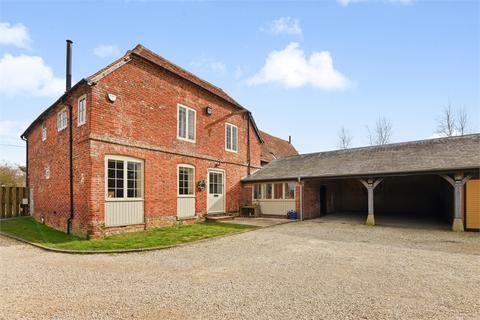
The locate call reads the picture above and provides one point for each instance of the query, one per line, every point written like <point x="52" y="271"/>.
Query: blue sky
<point x="303" y="68"/>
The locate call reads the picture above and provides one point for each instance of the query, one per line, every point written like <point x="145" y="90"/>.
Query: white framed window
<point x="186" y="123"/>
<point x="44" y="130"/>
<point x="186" y="180"/>
<point x="124" y="178"/>
<point x="82" y="110"/>
<point x="278" y="191"/>
<point x="289" y="190"/>
<point x="257" y="191"/>
<point x="231" y="137"/>
<point x="274" y="191"/>
<point x="62" y="119"/>
<point x="268" y="191"/>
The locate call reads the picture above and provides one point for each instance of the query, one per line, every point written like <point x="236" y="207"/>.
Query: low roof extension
<point x="423" y="156"/>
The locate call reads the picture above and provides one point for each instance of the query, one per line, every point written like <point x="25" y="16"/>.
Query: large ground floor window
<point x="274" y="190"/>
<point x="124" y="178"/>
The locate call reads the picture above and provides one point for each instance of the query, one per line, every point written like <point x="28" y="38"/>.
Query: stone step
<point x="218" y="217"/>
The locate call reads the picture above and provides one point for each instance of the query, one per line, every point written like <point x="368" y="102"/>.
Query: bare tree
<point x="382" y="133"/>
<point x="462" y="121"/>
<point x="446" y="122"/>
<point x="344" y="139"/>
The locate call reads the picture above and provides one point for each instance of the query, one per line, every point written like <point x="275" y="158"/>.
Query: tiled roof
<point x="149" y="55"/>
<point x="437" y="155"/>
<point x="275" y="148"/>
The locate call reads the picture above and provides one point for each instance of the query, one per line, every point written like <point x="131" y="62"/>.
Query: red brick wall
<point x="142" y="123"/>
<point x="160" y="182"/>
<point x="146" y="112"/>
<point x="311" y="201"/>
<point x="51" y="197"/>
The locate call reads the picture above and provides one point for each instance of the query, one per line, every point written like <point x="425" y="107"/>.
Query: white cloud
<point x="291" y="68"/>
<point x="284" y="25"/>
<point x="16" y="35"/>
<point x="28" y="75"/>
<point x="347" y="2"/>
<point x="105" y="51"/>
<point x="216" y="67"/>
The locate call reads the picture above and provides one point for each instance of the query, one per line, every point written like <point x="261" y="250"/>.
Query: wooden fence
<point x="11" y="202"/>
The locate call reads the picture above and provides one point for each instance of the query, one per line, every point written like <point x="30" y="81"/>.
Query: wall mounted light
<point x="208" y="110"/>
<point x="112" y="98"/>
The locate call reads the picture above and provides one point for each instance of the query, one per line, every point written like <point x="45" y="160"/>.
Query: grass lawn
<point x="31" y="230"/>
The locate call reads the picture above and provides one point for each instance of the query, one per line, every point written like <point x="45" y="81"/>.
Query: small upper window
<point x="186" y="123"/>
<point x="82" y="110"/>
<point x="62" y="119"/>
<point x="44" y="130"/>
<point x="231" y="137"/>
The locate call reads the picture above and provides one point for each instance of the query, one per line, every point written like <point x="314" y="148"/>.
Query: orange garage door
<point x="473" y="204"/>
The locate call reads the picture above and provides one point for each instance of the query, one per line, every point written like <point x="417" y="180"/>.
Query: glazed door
<point x="216" y="191"/>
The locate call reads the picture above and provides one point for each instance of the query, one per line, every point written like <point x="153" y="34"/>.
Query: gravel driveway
<point x="306" y="270"/>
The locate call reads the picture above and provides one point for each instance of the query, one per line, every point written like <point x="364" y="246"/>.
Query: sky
<point x="304" y="69"/>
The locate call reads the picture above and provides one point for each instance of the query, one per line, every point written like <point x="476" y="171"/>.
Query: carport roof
<point x="437" y="155"/>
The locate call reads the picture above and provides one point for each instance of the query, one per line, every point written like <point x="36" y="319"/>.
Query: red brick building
<point x="152" y="145"/>
<point x="143" y="143"/>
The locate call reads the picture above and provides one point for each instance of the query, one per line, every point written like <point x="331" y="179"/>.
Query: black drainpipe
<point x="248" y="143"/>
<point x="27" y="178"/>
<point x="70" y="133"/>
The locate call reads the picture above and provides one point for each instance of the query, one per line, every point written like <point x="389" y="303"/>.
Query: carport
<point x="424" y="183"/>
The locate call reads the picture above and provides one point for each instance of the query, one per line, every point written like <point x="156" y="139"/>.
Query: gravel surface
<point x="306" y="270"/>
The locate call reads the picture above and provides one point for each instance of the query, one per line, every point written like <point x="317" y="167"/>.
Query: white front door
<point x="216" y="191"/>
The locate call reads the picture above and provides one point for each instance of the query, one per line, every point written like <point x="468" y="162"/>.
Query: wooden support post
<point x="370" y="184"/>
<point x="457" y="182"/>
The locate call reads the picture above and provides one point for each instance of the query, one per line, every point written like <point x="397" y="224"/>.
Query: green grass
<point x="31" y="230"/>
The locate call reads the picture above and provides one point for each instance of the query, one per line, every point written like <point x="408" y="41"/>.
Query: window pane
<point x="119" y="193"/>
<point x="229" y="137"/>
<point x="234" y="138"/>
<point x="257" y="191"/>
<point x="289" y="190"/>
<point x="191" y="125"/>
<point x="268" y="191"/>
<point x="182" y="122"/>
<point x="278" y="191"/>
<point x="185" y="181"/>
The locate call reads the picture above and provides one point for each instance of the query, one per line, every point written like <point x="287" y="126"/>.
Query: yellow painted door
<point x="473" y="204"/>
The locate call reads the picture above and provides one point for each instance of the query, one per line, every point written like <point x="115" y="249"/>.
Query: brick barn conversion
<point x="143" y="143"/>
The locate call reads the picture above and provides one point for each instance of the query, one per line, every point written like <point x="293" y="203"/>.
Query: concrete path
<point x="258" y="222"/>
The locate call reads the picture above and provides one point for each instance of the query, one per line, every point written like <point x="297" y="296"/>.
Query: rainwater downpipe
<point x="70" y="133"/>
<point x="300" y="197"/>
